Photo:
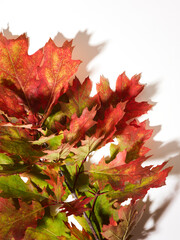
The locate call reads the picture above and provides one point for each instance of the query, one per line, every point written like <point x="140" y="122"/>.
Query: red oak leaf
<point x="38" y="79"/>
<point x="78" y="98"/>
<point x="55" y="73"/>
<point x="11" y="104"/>
<point x="104" y="90"/>
<point x="127" y="89"/>
<point x="135" y="109"/>
<point x="18" y="70"/>
<point x="56" y="181"/>
<point x="79" y="126"/>
<point x="132" y="138"/>
<point x="131" y="180"/>
<point x="107" y="126"/>
<point x="81" y="235"/>
<point x="14" y="221"/>
<point x="76" y="207"/>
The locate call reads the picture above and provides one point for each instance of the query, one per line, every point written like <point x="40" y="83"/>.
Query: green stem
<point x="84" y="213"/>
<point x="93" y="205"/>
<point x="77" y="174"/>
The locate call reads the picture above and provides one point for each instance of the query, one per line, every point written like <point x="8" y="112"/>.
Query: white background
<point x="136" y="36"/>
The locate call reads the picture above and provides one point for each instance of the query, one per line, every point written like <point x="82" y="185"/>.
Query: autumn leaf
<point x="107" y="126"/>
<point x="76" y="206"/>
<point x="12" y="104"/>
<point x="126" y="88"/>
<point x="37" y="79"/>
<point x="14" y="187"/>
<point x="14" y="222"/>
<point x="79" y="126"/>
<point x="60" y="155"/>
<point x="51" y="142"/>
<point x="81" y="235"/>
<point x="126" y="92"/>
<point x="57" y="121"/>
<point x="135" y="109"/>
<point x="15" y="142"/>
<point x="129" y="216"/>
<point x="104" y="90"/>
<point x="128" y="180"/>
<point x="132" y="138"/>
<point x="78" y="98"/>
<point x="88" y="145"/>
<point x="55" y="73"/>
<point x="155" y="178"/>
<point x="49" y="228"/>
<point x="18" y="70"/>
<point x="56" y="181"/>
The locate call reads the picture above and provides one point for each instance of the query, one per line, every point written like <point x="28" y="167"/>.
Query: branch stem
<point x="78" y="173"/>
<point x="84" y="213"/>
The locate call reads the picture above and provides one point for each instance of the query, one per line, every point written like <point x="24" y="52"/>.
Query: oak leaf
<point x="14" y="221"/>
<point x="81" y="235"/>
<point x="79" y="126"/>
<point x="128" y="217"/>
<point x="55" y="72"/>
<point x="78" y="97"/>
<point x="132" y="138"/>
<point x="128" y="180"/>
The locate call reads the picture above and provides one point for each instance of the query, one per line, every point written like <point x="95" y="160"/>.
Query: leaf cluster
<point x="50" y="127"/>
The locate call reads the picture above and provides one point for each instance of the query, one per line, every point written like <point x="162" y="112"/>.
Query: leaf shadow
<point x="141" y="231"/>
<point x="8" y="34"/>
<point x="159" y="151"/>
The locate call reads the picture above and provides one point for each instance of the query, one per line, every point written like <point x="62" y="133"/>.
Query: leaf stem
<point x="95" y="199"/>
<point x="79" y="172"/>
<point x="84" y="213"/>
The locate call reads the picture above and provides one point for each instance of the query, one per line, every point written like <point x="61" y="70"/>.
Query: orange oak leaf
<point x="76" y="207"/>
<point x="15" y="220"/>
<point x="55" y="72"/>
<point x="129" y="180"/>
<point x="132" y="138"/>
<point x="11" y="104"/>
<point x="104" y="90"/>
<point x="78" y="98"/>
<point x="79" y="126"/>
<point x="107" y="126"/>
<point x="56" y="181"/>
<point x="18" y="70"/>
<point x="126" y="92"/>
<point x="80" y="235"/>
<point x="126" y="88"/>
<point x="37" y="79"/>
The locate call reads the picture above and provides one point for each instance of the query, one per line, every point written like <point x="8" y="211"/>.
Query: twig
<point x="95" y="199"/>
<point x="84" y="213"/>
<point x="79" y="172"/>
